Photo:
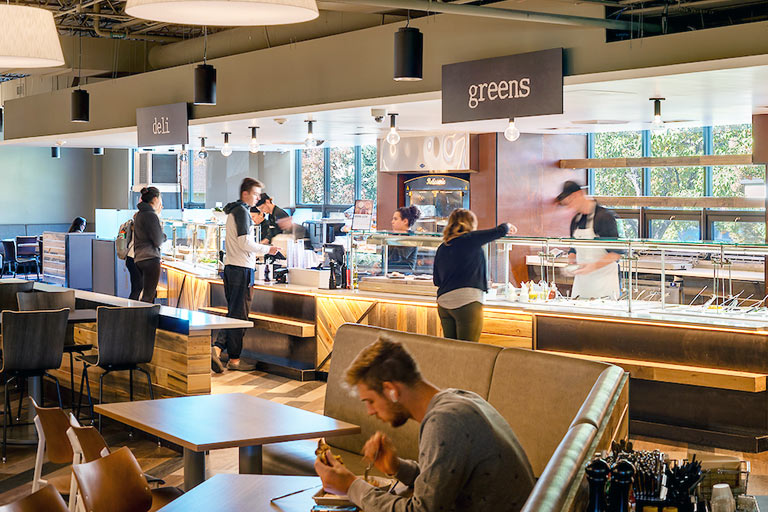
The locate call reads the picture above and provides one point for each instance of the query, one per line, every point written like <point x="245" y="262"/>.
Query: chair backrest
<point x="126" y="334"/>
<point x="26" y="245"/>
<point x="8" y="291"/>
<point x="88" y="441"/>
<point x="47" y="499"/>
<point x="33" y="340"/>
<point x="37" y="300"/>
<point x="9" y="250"/>
<point x="115" y="483"/>
<point x="54" y="423"/>
<point x="469" y="367"/>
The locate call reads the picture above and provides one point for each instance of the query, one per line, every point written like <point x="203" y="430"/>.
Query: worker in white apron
<point x="597" y="274"/>
<point x="601" y="282"/>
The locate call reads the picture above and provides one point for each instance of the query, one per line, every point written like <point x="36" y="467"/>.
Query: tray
<point x="322" y="497"/>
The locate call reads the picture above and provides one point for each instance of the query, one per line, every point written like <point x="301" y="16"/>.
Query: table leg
<point x="194" y="468"/>
<point x="250" y="460"/>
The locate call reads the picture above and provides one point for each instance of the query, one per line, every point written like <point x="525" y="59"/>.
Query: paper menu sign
<point x="363" y="214"/>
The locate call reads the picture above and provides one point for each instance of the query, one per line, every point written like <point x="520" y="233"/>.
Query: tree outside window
<point x="342" y="175"/>
<point x="368" y="172"/>
<point x="312" y="176"/>
<point x="336" y="176"/>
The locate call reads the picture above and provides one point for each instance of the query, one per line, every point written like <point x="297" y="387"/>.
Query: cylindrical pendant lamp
<point x="205" y="85"/>
<point x="98" y="151"/>
<point x="409" y="54"/>
<point x="80" y="106"/>
<point x="55" y="152"/>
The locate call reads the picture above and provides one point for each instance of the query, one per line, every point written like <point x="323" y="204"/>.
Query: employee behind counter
<point x="402" y="258"/>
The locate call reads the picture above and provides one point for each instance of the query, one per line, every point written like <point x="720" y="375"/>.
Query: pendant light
<point x="512" y="133"/>
<point x="205" y="78"/>
<point x="220" y="13"/>
<point x="55" y="151"/>
<point x="393" y="137"/>
<point x="80" y="105"/>
<point x="657" y="121"/>
<point x="183" y="154"/>
<point x="409" y="53"/>
<point x="28" y="38"/>
<point x="253" y="147"/>
<point x="203" y="153"/>
<point x="310" y="141"/>
<point x="226" y="149"/>
<point x="98" y="151"/>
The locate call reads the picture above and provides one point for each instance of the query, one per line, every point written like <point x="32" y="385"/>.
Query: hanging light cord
<point x="205" y="44"/>
<point x="80" y="62"/>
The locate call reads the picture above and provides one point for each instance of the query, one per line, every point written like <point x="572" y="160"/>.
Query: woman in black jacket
<point x="460" y="274"/>
<point x="147" y="237"/>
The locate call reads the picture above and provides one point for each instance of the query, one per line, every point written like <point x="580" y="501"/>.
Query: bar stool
<point x="52" y="424"/>
<point x="8" y="291"/>
<point x="35" y="300"/>
<point x="26" y="252"/>
<point x="126" y="339"/>
<point x="47" y="499"/>
<point x="9" y="257"/>
<point x="33" y="343"/>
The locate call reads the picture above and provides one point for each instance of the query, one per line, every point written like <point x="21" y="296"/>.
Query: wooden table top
<point x="248" y="492"/>
<point x="76" y="316"/>
<point x="208" y="422"/>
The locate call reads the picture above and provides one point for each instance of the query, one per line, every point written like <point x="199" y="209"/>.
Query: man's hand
<point x="335" y="476"/>
<point x="381" y="447"/>
<point x="273" y="250"/>
<point x="584" y="269"/>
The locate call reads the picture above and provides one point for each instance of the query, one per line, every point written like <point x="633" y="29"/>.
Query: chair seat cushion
<point x="163" y="496"/>
<point x="77" y="347"/>
<point x="297" y="458"/>
<point x="61" y="481"/>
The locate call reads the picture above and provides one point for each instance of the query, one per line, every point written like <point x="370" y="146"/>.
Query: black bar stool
<point x="33" y="343"/>
<point x="126" y="339"/>
<point x="8" y="291"/>
<point x="35" y="300"/>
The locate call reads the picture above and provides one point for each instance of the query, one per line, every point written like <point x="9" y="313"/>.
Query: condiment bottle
<point x="597" y="474"/>
<point x="622" y="474"/>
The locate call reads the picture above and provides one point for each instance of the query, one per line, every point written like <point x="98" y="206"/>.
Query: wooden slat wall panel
<point x="195" y="294"/>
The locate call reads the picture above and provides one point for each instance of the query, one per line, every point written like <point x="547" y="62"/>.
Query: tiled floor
<point x="16" y="475"/>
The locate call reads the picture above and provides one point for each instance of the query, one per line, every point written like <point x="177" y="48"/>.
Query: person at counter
<point x="403" y="258"/>
<point x="238" y="275"/>
<point x="597" y="274"/>
<point x="148" y="236"/>
<point x="277" y="220"/>
<point x="77" y="226"/>
<point x="470" y="459"/>
<point x="461" y="276"/>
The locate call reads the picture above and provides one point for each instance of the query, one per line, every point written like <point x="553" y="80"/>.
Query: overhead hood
<point x="447" y="152"/>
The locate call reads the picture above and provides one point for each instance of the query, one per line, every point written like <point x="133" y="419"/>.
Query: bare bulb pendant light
<point x="310" y="141"/>
<point x="512" y="133"/>
<point x="226" y="149"/>
<point x="658" y="123"/>
<point x="409" y="54"/>
<point x="253" y="146"/>
<point x="80" y="111"/>
<point x="28" y="38"/>
<point x="205" y="78"/>
<point x="219" y="13"/>
<point x="203" y="153"/>
<point x="183" y="154"/>
<point x="393" y="137"/>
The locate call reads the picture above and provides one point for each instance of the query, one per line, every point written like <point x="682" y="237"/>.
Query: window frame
<point x="326" y="206"/>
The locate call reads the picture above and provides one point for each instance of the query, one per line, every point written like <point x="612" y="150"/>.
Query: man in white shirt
<point x="238" y="276"/>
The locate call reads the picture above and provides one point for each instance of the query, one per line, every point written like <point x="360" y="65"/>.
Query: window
<point x="335" y="177"/>
<point x="628" y="228"/>
<point x="677" y="142"/>
<point x="675" y="230"/>
<point x="751" y="232"/>
<point x="677" y="181"/>
<point x="618" y="182"/>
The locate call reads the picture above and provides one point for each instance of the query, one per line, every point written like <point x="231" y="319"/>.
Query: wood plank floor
<point x="16" y="474"/>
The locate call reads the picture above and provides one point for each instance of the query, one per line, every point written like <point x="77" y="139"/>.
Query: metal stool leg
<point x="22" y="383"/>
<point x="101" y="392"/>
<point x="58" y="388"/>
<point x="72" y="381"/>
<point x="7" y="413"/>
<point x="130" y="384"/>
<point x="149" y="382"/>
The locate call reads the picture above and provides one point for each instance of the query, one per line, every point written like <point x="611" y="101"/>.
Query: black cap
<point x="569" y="187"/>
<point x="262" y="199"/>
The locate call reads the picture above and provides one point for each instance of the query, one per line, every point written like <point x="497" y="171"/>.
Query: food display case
<point x="436" y="196"/>
<point x="196" y="245"/>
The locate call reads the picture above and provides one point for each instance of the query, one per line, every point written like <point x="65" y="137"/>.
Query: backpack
<point x="123" y="240"/>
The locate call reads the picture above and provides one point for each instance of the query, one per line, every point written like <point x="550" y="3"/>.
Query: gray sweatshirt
<point x="241" y="245"/>
<point x="469" y="461"/>
<point x="148" y="233"/>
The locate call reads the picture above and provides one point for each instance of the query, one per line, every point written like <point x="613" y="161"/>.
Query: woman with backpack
<point x="147" y="237"/>
<point x="126" y="231"/>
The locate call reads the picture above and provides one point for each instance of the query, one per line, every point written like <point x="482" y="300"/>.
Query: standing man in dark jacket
<point x="238" y="276"/>
<point x="148" y="236"/>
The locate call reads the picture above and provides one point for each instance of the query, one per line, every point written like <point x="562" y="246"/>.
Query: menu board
<point x="363" y="214"/>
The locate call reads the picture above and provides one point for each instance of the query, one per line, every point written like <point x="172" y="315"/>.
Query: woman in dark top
<point x="460" y="274"/>
<point x="402" y="258"/>
<point x="147" y="237"/>
<point x="77" y="226"/>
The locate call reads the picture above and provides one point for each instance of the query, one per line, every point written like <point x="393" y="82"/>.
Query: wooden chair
<point x="46" y="499"/>
<point x="52" y="424"/>
<point x="115" y="483"/>
<point x="8" y="291"/>
<point x="32" y="344"/>
<point x="26" y="252"/>
<point x="36" y="300"/>
<point x="126" y="339"/>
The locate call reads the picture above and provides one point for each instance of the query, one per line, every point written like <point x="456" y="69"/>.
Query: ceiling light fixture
<point x="205" y="78"/>
<point x="409" y="53"/>
<point x="80" y="107"/>
<point x="226" y="149"/>
<point x="310" y="141"/>
<point x="220" y="13"/>
<point x="28" y="38"/>
<point x="202" y="154"/>
<point x="657" y="122"/>
<point x="55" y="151"/>
<point x="98" y="151"/>
<point x="253" y="146"/>
<point x="512" y="133"/>
<point x="393" y="137"/>
<point x="183" y="153"/>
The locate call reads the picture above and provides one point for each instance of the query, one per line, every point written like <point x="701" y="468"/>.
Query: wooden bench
<point x="682" y="374"/>
<point x="273" y="323"/>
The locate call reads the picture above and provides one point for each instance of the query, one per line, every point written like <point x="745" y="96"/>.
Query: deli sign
<point x="163" y="125"/>
<point x="528" y="84"/>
